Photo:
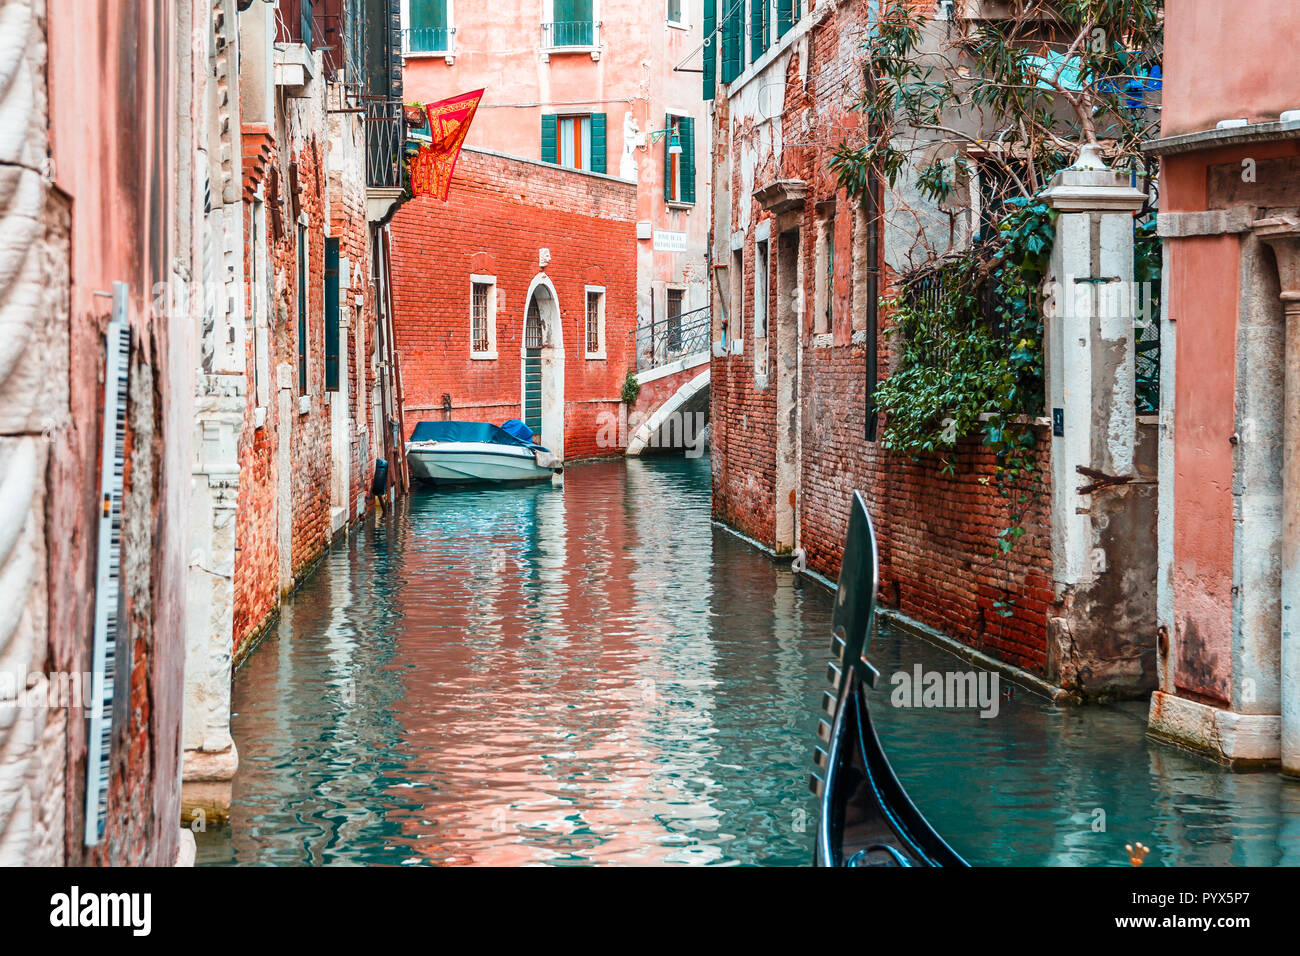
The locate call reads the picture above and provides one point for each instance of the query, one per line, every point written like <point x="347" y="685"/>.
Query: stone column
<point x="1103" y="507"/>
<point x="1282" y="233"/>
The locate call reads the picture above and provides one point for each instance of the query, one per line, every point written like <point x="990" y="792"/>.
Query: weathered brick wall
<point x="937" y="532"/>
<point x="500" y="213"/>
<point x="349" y="224"/>
<point x="310" y="430"/>
<point x="257" y="564"/>
<point x="257" y="569"/>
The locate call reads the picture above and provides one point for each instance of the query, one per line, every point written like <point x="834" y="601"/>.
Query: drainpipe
<point x="1283" y="235"/>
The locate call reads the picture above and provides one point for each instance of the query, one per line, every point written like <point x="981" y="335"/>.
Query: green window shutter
<point x="731" y="42"/>
<point x="599" y="142"/>
<point x="332" y="315"/>
<point x="784" y="16"/>
<point x="686" y="128"/>
<point x="757" y="29"/>
<point x="711" y="49"/>
<point x="550" y="142"/>
<point x="668" y="160"/>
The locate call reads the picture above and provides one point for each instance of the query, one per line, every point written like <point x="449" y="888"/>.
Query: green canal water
<point x="599" y="675"/>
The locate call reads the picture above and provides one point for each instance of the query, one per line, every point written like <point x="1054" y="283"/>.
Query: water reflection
<point x="599" y="675"/>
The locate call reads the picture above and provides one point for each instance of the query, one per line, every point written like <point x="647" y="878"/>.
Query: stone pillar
<point x="1103" y="504"/>
<point x="220" y="404"/>
<point x="1282" y="233"/>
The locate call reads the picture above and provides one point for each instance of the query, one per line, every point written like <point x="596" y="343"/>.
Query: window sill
<point x="677" y="25"/>
<point x="304" y="404"/>
<point x="484" y="356"/>
<point x="596" y="357"/>
<point x="548" y="52"/>
<point x="679" y="204"/>
<point x="448" y="55"/>
<point x="823" y="340"/>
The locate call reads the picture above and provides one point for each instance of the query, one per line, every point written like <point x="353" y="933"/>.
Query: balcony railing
<point x="668" y="339"/>
<point x="385" y="141"/>
<point x="571" y="34"/>
<point x="428" y="39"/>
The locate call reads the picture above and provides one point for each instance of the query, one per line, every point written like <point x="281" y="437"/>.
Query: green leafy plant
<point x="631" y="388"/>
<point x="969" y="346"/>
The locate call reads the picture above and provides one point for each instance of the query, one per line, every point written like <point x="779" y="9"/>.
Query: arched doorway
<point x="542" y="385"/>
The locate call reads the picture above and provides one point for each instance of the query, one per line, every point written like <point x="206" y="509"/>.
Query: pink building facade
<point x="589" y="84"/>
<point x="1229" y="576"/>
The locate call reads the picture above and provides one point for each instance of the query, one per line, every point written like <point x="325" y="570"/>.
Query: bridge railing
<point x="671" y="338"/>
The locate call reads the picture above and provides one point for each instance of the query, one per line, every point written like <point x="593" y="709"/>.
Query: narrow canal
<point x="599" y="675"/>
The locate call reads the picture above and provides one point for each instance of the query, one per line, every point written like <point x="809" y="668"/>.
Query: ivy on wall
<point x="969" y="346"/>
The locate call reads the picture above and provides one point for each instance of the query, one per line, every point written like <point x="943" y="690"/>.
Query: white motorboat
<point x="465" y="453"/>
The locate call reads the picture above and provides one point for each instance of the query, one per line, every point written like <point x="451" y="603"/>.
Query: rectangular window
<point x="427" y="26"/>
<point x="479" y="322"/>
<point x="578" y="142"/>
<point x="675" y="12"/>
<point x="760" y="290"/>
<point x="595" y="322"/>
<point x="332" y="315"/>
<point x="302" y="309"/>
<point x="483" y="317"/>
<point x="674" y="319"/>
<point x="575" y="142"/>
<point x="679" y="168"/>
<point x="572" y="24"/>
<point x="830" y="276"/>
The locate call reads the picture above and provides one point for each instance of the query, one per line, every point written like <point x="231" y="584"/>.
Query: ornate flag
<point x="432" y="166"/>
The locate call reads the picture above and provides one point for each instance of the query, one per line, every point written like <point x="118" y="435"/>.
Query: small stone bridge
<point x="672" y="409"/>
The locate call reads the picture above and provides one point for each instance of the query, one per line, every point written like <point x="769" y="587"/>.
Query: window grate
<point x="479" y="317"/>
<point x="533" y="327"/>
<point x="593" y="322"/>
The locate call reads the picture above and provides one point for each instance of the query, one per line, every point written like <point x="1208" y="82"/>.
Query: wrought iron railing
<point x="579" y="34"/>
<point x="385" y="140"/>
<point x="677" y="336"/>
<point x="428" y="39"/>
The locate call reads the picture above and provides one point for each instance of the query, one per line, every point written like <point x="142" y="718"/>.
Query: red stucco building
<point x="1229" y="580"/>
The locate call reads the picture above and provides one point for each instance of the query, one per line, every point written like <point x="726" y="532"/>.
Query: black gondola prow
<point x="866" y="816"/>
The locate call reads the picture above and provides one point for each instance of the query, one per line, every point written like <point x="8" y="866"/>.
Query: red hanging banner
<point x="432" y="167"/>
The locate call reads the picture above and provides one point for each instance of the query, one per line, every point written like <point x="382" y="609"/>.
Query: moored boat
<point x="867" y="818"/>
<point x="463" y="453"/>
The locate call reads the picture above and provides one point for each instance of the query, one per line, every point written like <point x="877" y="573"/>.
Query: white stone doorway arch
<point x="542" y="307"/>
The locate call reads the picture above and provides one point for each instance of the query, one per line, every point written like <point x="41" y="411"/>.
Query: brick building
<point x="591" y="85"/>
<point x="798" y="336"/>
<point x="297" y="392"/>
<point x="519" y="244"/>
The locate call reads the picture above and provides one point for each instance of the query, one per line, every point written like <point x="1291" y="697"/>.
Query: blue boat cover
<point x="467" y="431"/>
<point x="518" y="429"/>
